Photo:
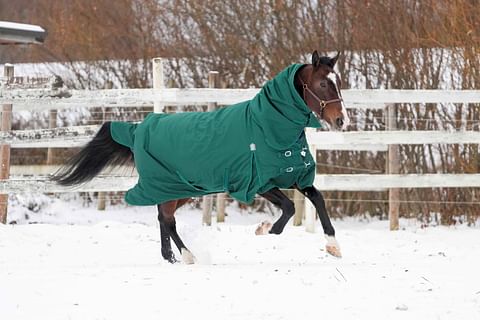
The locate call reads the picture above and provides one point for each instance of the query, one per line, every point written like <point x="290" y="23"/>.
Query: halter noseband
<point x="322" y="103"/>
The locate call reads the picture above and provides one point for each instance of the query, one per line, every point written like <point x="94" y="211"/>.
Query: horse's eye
<point x="323" y="84"/>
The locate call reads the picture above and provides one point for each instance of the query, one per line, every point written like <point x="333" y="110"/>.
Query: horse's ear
<point x="315" y="59"/>
<point x="334" y="59"/>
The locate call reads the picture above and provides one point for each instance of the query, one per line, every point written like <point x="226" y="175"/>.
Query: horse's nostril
<point x="339" y="122"/>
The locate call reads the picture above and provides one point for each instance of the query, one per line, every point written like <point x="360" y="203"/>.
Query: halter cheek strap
<point x="322" y="103"/>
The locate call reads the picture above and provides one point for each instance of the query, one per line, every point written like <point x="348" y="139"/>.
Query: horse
<point x="266" y="150"/>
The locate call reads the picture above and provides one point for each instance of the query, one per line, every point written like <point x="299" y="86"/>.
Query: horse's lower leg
<point x="279" y="199"/>
<point x="167" y="252"/>
<point x="317" y="199"/>
<point x="173" y="227"/>
<point x="167" y="218"/>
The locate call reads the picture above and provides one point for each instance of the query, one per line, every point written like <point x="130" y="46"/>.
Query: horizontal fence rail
<point x="345" y="182"/>
<point x="45" y="169"/>
<point x="42" y="99"/>
<point x="372" y="182"/>
<point x="41" y="184"/>
<point x="65" y="137"/>
<point x="328" y="140"/>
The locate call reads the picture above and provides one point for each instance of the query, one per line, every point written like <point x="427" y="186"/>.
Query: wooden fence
<point x="385" y="141"/>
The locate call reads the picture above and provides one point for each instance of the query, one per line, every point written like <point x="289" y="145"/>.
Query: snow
<point x="78" y="263"/>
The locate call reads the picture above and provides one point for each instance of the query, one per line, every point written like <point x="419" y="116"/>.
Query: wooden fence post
<point x="52" y="123"/>
<point x="158" y="82"/>
<point x="207" y="210"/>
<point x="299" y="202"/>
<point x="393" y="167"/>
<point x="208" y="199"/>
<point x="102" y="195"/>
<point x="221" y="207"/>
<point x="6" y="125"/>
<point x="213" y="82"/>
<point x="310" y="211"/>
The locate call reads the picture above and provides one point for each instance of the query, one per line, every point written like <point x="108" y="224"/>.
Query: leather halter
<point x="322" y="103"/>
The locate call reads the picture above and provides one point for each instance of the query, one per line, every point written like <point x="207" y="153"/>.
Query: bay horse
<point x="263" y="135"/>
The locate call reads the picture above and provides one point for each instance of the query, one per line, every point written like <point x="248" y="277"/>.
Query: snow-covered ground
<point x="78" y="263"/>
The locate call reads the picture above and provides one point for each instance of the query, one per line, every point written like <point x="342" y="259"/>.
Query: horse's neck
<point x="302" y="73"/>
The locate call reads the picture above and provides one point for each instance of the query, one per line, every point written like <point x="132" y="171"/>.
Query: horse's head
<point x="320" y="86"/>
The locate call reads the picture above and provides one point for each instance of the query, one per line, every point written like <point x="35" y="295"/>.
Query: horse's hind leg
<point x="167" y="218"/>
<point x="167" y="252"/>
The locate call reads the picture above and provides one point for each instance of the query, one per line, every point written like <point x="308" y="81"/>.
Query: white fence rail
<point x="324" y="182"/>
<point x="64" y="137"/>
<point x="42" y="99"/>
<point x="323" y="140"/>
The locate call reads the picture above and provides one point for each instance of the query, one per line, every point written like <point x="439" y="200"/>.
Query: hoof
<point x="187" y="257"/>
<point x="170" y="257"/>
<point x="172" y="260"/>
<point x="263" y="228"/>
<point x="333" y="247"/>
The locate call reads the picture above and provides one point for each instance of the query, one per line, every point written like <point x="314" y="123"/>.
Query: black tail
<point x="100" y="152"/>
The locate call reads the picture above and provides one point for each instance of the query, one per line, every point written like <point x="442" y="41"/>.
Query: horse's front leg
<point x="317" y="199"/>
<point x="280" y="200"/>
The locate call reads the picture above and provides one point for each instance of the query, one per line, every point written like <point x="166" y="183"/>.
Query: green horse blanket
<point x="244" y="149"/>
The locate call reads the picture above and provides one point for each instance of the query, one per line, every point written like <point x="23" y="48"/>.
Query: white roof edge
<point x="21" y="26"/>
